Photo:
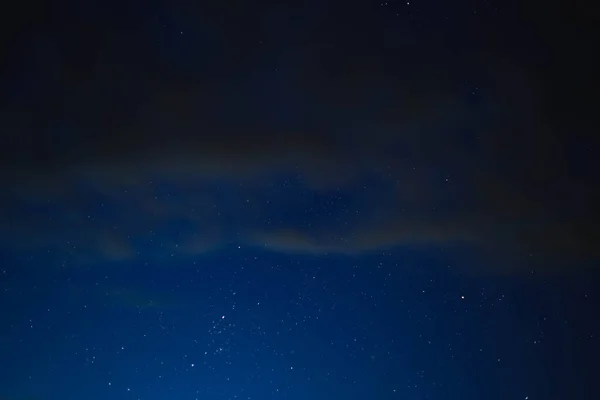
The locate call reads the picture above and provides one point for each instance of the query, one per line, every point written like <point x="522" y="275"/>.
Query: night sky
<point x="299" y="200"/>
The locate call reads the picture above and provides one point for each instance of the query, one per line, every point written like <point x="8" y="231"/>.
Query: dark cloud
<point x="449" y="147"/>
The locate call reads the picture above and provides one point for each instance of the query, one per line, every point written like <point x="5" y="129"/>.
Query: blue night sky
<point x="312" y="200"/>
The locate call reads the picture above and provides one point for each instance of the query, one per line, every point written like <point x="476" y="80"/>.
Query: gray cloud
<point x="431" y="160"/>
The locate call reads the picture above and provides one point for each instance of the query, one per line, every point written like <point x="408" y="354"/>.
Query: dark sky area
<point x="298" y="200"/>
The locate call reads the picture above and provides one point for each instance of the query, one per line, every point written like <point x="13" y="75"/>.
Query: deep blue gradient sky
<point x="251" y="324"/>
<point x="306" y="200"/>
<point x="409" y="322"/>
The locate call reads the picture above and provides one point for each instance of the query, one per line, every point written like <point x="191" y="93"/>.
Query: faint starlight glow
<point x="288" y="203"/>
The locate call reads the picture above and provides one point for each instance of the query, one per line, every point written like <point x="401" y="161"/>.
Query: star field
<point x="309" y="200"/>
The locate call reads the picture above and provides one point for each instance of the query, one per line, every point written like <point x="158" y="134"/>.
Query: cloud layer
<point x="335" y="146"/>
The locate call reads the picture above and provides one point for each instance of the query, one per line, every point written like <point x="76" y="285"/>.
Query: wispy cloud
<point x="409" y="155"/>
